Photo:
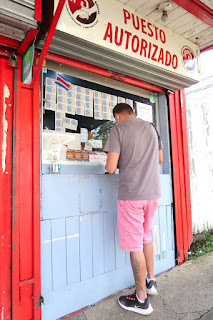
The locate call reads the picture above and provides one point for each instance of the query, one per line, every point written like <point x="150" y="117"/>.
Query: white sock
<point x="148" y="280"/>
<point x="139" y="299"/>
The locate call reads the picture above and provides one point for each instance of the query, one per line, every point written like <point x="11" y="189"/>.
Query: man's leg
<point x="148" y="254"/>
<point x="139" y="270"/>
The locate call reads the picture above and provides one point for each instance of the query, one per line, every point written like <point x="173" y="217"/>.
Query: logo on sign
<point x="189" y="59"/>
<point x="83" y="12"/>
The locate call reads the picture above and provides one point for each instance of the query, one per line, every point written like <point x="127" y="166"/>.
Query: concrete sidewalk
<point x="185" y="293"/>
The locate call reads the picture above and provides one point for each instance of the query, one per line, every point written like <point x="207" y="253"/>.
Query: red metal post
<point x="181" y="181"/>
<point x="27" y="41"/>
<point x="186" y="167"/>
<point x="48" y="40"/>
<point x="6" y="112"/>
<point x="103" y="72"/>
<point x="176" y="180"/>
<point x="38" y="10"/>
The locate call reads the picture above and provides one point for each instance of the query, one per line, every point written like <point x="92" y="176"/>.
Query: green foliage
<point x="202" y="247"/>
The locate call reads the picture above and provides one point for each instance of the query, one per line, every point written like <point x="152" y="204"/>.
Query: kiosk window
<point x="77" y="116"/>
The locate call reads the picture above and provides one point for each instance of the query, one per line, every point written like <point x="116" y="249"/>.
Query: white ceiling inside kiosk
<point x="179" y="20"/>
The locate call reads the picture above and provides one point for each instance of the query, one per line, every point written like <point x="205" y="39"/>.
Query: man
<point x="134" y="145"/>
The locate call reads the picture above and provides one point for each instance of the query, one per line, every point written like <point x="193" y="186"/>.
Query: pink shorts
<point x="135" y="219"/>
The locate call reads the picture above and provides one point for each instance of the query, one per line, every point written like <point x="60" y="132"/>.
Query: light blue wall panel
<point x="109" y="242"/>
<point x="90" y="194"/>
<point x="170" y="229"/>
<point x="58" y="254"/>
<point x="163" y="231"/>
<point x="166" y="190"/>
<point x="46" y="256"/>
<point x="98" y="243"/>
<point x="108" y="192"/>
<point x="86" y="247"/>
<point x="73" y="250"/>
<point x="60" y="196"/>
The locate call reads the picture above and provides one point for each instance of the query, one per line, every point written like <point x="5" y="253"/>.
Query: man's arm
<point x="112" y="162"/>
<point x="160" y="156"/>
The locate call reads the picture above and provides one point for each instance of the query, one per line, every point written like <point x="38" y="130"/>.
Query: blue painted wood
<point x="86" y="247"/>
<point x="92" y="265"/>
<point x="98" y="243"/>
<point x="85" y="293"/>
<point x="109" y="242"/>
<point x="46" y="257"/>
<point x="73" y="250"/>
<point x="163" y="231"/>
<point x="60" y="196"/>
<point x="90" y="197"/>
<point x="108" y="192"/>
<point x="166" y="190"/>
<point x="58" y="254"/>
<point x="170" y="229"/>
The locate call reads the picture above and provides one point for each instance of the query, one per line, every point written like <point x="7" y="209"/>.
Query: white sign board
<point x="114" y="26"/>
<point x="144" y="111"/>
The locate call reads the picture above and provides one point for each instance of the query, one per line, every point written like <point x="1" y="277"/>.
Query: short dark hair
<point x="123" y="108"/>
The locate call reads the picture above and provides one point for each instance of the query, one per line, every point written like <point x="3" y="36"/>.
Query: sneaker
<point x="151" y="287"/>
<point x="131" y="303"/>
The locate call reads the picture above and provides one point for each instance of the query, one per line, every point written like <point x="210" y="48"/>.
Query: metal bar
<point x="48" y="40"/>
<point x="186" y="167"/>
<point x="38" y="10"/>
<point x="16" y="194"/>
<point x="36" y="201"/>
<point x="176" y="179"/>
<point x="181" y="174"/>
<point x="27" y="41"/>
<point x="198" y="9"/>
<point x="6" y="111"/>
<point x="103" y="72"/>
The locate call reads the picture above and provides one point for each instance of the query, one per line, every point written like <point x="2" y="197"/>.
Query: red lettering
<point x="174" y="61"/>
<point x="126" y="15"/>
<point x="168" y="58"/>
<point x="143" y="26"/>
<point x="160" y="58"/>
<point x="143" y="47"/>
<point x="133" y="20"/>
<point x="118" y="43"/>
<point x="154" y="53"/>
<point x="150" y="47"/>
<point x="162" y="36"/>
<point x="108" y="32"/>
<point x="156" y="33"/>
<point x="128" y="34"/>
<point x="135" y="49"/>
<point x="149" y="25"/>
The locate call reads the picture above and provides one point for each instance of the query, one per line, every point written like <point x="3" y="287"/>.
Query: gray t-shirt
<point x="138" y="144"/>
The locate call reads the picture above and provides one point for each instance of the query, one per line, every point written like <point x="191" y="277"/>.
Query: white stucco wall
<point x="199" y="100"/>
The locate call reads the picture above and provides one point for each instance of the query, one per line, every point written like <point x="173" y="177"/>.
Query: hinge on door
<point x="172" y="205"/>
<point x="39" y="302"/>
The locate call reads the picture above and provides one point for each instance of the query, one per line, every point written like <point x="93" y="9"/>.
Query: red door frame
<point x="26" y="201"/>
<point x="181" y="179"/>
<point x="6" y="112"/>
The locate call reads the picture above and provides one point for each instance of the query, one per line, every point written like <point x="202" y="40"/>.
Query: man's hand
<point x="112" y="162"/>
<point x="160" y="156"/>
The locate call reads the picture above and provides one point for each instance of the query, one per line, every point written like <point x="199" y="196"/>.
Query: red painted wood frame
<point x="38" y="10"/>
<point x="26" y="201"/>
<point x="6" y="112"/>
<point x="181" y="180"/>
<point x="198" y="9"/>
